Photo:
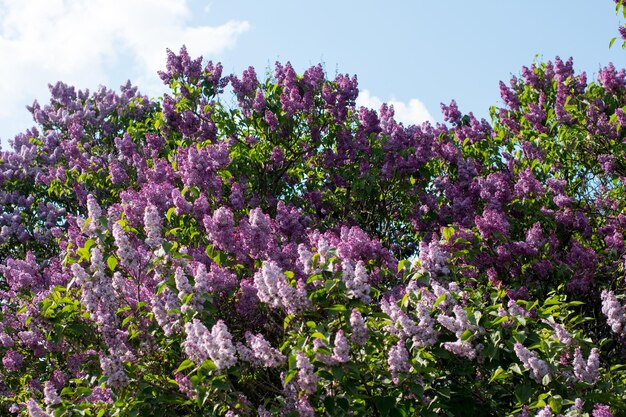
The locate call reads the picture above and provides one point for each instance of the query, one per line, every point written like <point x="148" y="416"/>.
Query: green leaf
<point x="185" y="365"/>
<point x="169" y="213"/>
<point x="448" y="232"/>
<point x="287" y="321"/>
<point x="112" y="262"/>
<point x="385" y="405"/>
<point x="290" y="375"/>
<point x="523" y="393"/>
<point x="498" y="374"/>
<point x="168" y="246"/>
<point x="439" y="300"/>
<point x="516" y="368"/>
<point x="467" y="334"/>
<point x="556" y="402"/>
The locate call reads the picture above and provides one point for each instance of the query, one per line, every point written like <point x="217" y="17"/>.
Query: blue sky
<point x="415" y="54"/>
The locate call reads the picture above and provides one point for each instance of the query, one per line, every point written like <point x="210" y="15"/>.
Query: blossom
<point x="51" y="397"/>
<point x="261" y="352"/>
<point x="614" y="311"/>
<point x="433" y="258"/>
<point x="538" y="367"/>
<point x="34" y="410"/>
<point x="12" y="360"/>
<point x="152" y="223"/>
<point x="273" y="289"/>
<point x="398" y="361"/>
<point x="356" y="279"/>
<point x="587" y="371"/>
<point x="358" y="327"/>
<point x="307" y="380"/>
<point x="222" y="350"/>
<point x="545" y="412"/>
<point x="341" y="351"/>
<point x="601" y="410"/>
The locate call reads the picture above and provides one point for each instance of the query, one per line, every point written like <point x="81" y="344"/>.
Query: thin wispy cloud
<point x="413" y="112"/>
<point x="89" y="43"/>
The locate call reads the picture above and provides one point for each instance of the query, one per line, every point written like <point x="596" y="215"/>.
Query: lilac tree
<point x="292" y="254"/>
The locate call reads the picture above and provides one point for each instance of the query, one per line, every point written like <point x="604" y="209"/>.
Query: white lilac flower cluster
<point x="216" y="345"/>
<point x="538" y="367"/>
<point x="587" y="371"/>
<point x="94" y="212"/>
<point x="259" y="352"/>
<point x="359" y="328"/>
<point x="273" y="289"/>
<point x="97" y="295"/>
<point x="340" y="352"/>
<point x="433" y="258"/>
<point x="459" y="325"/>
<point x="162" y="306"/>
<point x="356" y="279"/>
<point x="125" y="251"/>
<point x="152" y="224"/>
<point x="614" y="312"/>
<point x="398" y="361"/>
<point x="307" y="380"/>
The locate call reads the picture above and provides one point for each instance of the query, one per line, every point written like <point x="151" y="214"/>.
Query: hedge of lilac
<point x="264" y="247"/>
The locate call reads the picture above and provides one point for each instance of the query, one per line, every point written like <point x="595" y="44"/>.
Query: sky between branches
<point x="414" y="54"/>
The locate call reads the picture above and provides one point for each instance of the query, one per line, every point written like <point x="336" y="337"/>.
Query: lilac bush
<point x="292" y="254"/>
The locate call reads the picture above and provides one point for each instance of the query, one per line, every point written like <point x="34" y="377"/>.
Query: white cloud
<point x="87" y="43"/>
<point x="413" y="112"/>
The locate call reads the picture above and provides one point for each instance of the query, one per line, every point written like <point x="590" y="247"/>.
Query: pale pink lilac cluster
<point x="433" y="258"/>
<point x="97" y="295"/>
<point x="587" y="371"/>
<point x="201" y="345"/>
<point x="401" y="326"/>
<point x="307" y="379"/>
<point x="358" y="328"/>
<point x="152" y="224"/>
<point x="113" y="368"/>
<point x="545" y="412"/>
<point x="538" y="367"/>
<point x="34" y="410"/>
<point x="161" y="306"/>
<point x="51" y="396"/>
<point x="273" y="289"/>
<point x="95" y="213"/>
<point x="459" y="325"/>
<point x="341" y="350"/>
<point x="259" y="352"/>
<point x="304" y="407"/>
<point x="184" y="289"/>
<point x="560" y="333"/>
<point x="398" y="361"/>
<point x="356" y="279"/>
<point x="601" y="410"/>
<point x="614" y="312"/>
<point x="339" y="354"/>
<point x="516" y="310"/>
<point x="305" y="257"/>
<point x="124" y="251"/>
<point x="185" y="385"/>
